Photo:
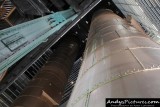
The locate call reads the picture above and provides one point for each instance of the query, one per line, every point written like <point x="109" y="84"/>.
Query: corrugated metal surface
<point x="147" y="12"/>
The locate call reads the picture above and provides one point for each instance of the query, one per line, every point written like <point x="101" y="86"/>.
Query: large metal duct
<point x="46" y="89"/>
<point x="119" y="62"/>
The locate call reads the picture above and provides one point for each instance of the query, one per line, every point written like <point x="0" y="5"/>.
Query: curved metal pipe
<point x="46" y="89"/>
<point x="119" y="62"/>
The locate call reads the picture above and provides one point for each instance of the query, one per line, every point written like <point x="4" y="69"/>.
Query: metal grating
<point x="152" y="9"/>
<point x="14" y="88"/>
<point x="146" y="12"/>
<point x="71" y="81"/>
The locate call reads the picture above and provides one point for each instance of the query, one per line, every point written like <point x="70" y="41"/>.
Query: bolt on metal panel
<point x="119" y="62"/>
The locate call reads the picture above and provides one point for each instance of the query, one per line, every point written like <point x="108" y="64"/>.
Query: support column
<point x="46" y="89"/>
<point x="119" y="62"/>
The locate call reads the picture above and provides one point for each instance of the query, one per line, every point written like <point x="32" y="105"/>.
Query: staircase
<point x="9" y="8"/>
<point x="6" y="9"/>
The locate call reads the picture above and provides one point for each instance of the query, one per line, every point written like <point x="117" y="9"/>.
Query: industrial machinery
<point x="46" y="89"/>
<point x="117" y="57"/>
<point x="16" y="42"/>
<point x="119" y="42"/>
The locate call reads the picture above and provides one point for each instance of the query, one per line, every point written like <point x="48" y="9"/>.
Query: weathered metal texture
<point x="119" y="62"/>
<point x="46" y="89"/>
<point x="17" y="41"/>
<point x="134" y="23"/>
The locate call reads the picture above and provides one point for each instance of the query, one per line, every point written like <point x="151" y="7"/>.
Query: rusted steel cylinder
<point x="119" y="62"/>
<point x="46" y="89"/>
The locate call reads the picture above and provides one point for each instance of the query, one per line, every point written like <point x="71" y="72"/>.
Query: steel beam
<point x="17" y="41"/>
